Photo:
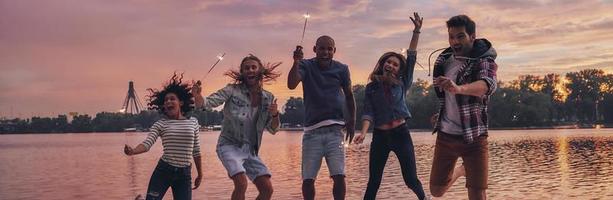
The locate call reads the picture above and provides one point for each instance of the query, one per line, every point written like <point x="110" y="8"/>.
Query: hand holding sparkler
<point x="293" y="78"/>
<point x="197" y="94"/>
<point x="197" y="86"/>
<point x="219" y="58"/>
<point x="298" y="55"/>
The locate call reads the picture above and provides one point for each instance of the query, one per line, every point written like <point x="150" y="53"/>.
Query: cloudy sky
<point x="65" y="56"/>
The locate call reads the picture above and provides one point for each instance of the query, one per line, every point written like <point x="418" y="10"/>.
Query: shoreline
<point x="576" y="126"/>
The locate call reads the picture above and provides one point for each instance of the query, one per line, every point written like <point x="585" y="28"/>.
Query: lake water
<point x="524" y="164"/>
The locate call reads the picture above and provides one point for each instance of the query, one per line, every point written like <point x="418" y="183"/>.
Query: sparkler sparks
<point x="306" y="19"/>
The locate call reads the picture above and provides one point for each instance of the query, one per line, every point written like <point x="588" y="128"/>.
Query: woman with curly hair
<point x="248" y="110"/>
<point x="180" y="139"/>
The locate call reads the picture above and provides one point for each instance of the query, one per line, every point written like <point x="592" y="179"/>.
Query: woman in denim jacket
<point x="384" y="104"/>
<point x="248" y="110"/>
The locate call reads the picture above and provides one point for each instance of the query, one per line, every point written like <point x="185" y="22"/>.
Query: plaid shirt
<point x="473" y="110"/>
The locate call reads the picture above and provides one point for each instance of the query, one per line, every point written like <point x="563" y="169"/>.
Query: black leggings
<point x="398" y="140"/>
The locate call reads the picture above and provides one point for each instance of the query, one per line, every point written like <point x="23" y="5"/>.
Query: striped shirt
<point x="180" y="139"/>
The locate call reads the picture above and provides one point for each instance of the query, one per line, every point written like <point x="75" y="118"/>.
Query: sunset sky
<point x="65" y="56"/>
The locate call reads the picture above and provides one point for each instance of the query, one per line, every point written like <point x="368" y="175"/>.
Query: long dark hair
<point x="377" y="73"/>
<point x="175" y="86"/>
<point x="267" y="73"/>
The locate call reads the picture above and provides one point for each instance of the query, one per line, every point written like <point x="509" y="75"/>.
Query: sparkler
<point x="219" y="58"/>
<point x="306" y="19"/>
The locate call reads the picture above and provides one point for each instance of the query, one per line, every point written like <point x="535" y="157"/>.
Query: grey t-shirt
<point x="450" y="121"/>
<point x="250" y="128"/>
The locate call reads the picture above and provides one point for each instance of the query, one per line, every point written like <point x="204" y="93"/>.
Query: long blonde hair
<point x="267" y="73"/>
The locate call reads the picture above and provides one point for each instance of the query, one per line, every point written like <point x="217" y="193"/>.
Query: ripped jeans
<point x="166" y="175"/>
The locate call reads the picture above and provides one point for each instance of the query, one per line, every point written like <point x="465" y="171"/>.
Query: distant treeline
<point x="584" y="97"/>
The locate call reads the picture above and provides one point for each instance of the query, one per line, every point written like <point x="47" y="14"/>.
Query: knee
<point x="437" y="191"/>
<point x="308" y="182"/>
<point x="240" y="182"/>
<point x="267" y="191"/>
<point x="412" y="182"/>
<point x="338" y="178"/>
<point x="264" y="185"/>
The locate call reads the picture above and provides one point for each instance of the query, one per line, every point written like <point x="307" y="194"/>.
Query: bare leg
<point x="240" y="186"/>
<point x="264" y="187"/>
<point x="439" y="191"/>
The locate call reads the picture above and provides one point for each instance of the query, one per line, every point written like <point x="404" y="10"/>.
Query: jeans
<point x="166" y="175"/>
<point x="398" y="140"/>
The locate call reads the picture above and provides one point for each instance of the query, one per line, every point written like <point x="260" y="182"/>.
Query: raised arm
<point x="293" y="78"/>
<point x="417" y="22"/>
<point x="412" y="51"/>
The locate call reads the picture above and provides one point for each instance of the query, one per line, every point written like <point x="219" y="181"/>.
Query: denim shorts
<point x="325" y="142"/>
<point x="241" y="159"/>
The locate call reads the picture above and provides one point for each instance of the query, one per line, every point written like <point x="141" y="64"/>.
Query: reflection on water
<point x="536" y="164"/>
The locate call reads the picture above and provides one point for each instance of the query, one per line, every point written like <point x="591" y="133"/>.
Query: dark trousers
<point x="398" y="140"/>
<point x="166" y="175"/>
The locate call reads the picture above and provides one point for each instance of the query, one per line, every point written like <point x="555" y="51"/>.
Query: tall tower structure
<point x="132" y="103"/>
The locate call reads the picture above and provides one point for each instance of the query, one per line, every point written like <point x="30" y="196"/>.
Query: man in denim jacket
<point x="248" y="111"/>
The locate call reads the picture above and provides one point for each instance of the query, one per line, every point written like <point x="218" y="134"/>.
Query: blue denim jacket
<point x="236" y="100"/>
<point x="378" y="109"/>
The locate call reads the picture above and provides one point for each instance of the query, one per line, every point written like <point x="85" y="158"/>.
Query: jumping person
<point x="385" y="105"/>
<point x="180" y="139"/>
<point x="464" y="79"/>
<point x="326" y="88"/>
<point x="248" y="110"/>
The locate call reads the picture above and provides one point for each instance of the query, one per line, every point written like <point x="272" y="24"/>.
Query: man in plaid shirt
<point x="464" y="78"/>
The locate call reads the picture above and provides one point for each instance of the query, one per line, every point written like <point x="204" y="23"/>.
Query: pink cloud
<point x="62" y="56"/>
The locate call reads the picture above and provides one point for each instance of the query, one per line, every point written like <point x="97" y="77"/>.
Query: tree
<point x="146" y="118"/>
<point x="209" y="117"/>
<point x="293" y="112"/>
<point x="422" y="103"/>
<point x="359" y="93"/>
<point x="585" y="92"/>
<point x="112" y="122"/>
<point x="82" y="124"/>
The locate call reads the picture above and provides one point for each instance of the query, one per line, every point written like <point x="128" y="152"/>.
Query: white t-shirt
<point x="450" y="121"/>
